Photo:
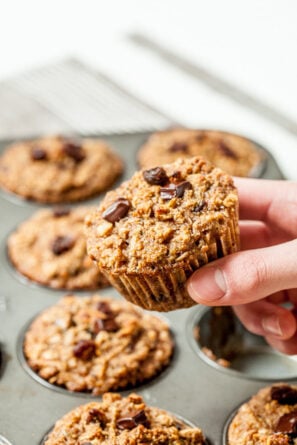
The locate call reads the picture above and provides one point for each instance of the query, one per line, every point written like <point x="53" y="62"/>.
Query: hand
<point x="261" y="277"/>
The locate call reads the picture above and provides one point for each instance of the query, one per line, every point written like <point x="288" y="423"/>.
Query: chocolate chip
<point x="60" y="211"/>
<point x="62" y="244"/>
<point x="141" y="419"/>
<point x="287" y="424"/>
<point x="225" y="150"/>
<point x="182" y="187"/>
<point x="199" y="206"/>
<point x="284" y="394"/>
<point x="74" y="151"/>
<point x="38" y="154"/>
<point x="84" y="349"/>
<point x="168" y="192"/>
<point x="155" y="176"/>
<point x="178" y="146"/>
<point x="117" y="210"/>
<point x="128" y="423"/>
<point x="104" y="307"/>
<point x="96" y="415"/>
<point x="175" y="190"/>
<point x="108" y="324"/>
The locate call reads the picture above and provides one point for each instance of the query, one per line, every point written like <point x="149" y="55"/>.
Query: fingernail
<point x="271" y="325"/>
<point x="207" y="285"/>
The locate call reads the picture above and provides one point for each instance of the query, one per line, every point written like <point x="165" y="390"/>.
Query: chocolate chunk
<point x="62" y="244"/>
<point x="284" y="394"/>
<point x="168" y="192"/>
<point x="96" y="415"/>
<point x="178" y="146"/>
<point x="225" y="150"/>
<point x="128" y="423"/>
<point x="141" y="419"/>
<point x="175" y="190"/>
<point x="155" y="176"/>
<point x="104" y="307"/>
<point x="108" y="324"/>
<point x="74" y="151"/>
<point x="60" y="211"/>
<point x="182" y="187"/>
<point x="84" y="349"/>
<point x="117" y="210"/>
<point x="38" y="154"/>
<point x="287" y="424"/>
<point x="199" y="206"/>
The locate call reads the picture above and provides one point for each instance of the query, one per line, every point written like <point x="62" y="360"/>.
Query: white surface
<point x="252" y="44"/>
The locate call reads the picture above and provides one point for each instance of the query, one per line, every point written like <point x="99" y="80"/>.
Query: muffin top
<point x="122" y="421"/>
<point x="58" y="169"/>
<point x="269" y="417"/>
<point x="97" y="344"/>
<point x="234" y="154"/>
<point x="50" y="248"/>
<point x="161" y="216"/>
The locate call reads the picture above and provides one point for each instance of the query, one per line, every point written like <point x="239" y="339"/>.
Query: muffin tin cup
<point x="253" y="358"/>
<point x="189" y="385"/>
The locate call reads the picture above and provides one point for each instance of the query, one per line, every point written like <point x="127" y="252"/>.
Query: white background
<point x="249" y="43"/>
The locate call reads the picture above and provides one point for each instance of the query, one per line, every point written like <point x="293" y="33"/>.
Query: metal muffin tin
<point x="202" y="394"/>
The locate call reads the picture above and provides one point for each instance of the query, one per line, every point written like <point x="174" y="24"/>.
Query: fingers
<point x="267" y="319"/>
<point x="285" y="346"/>
<point x="246" y="276"/>
<point x="258" y="197"/>
<point x="256" y="234"/>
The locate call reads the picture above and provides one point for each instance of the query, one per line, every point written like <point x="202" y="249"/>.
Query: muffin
<point x="58" y="169"/>
<point x="50" y="249"/>
<point x="151" y="233"/>
<point x="234" y="154"/>
<point x="268" y="418"/>
<point x="122" y="421"/>
<point x="96" y="344"/>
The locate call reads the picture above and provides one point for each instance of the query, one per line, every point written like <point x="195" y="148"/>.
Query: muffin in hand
<point x="151" y="233"/>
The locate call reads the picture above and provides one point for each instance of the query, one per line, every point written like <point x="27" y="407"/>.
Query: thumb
<point x="245" y="276"/>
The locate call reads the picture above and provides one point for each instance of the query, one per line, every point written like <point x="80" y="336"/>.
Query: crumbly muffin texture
<point x="234" y="154"/>
<point x="58" y="169"/>
<point x="268" y="418"/>
<point x="50" y="249"/>
<point x="97" y="344"/>
<point x="171" y="220"/>
<point x="122" y="421"/>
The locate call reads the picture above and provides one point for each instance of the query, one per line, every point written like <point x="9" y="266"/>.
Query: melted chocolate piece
<point x="96" y="415"/>
<point x="62" y="244"/>
<point x="178" y="146"/>
<point x="38" y="154"/>
<point x="284" y="394"/>
<point x="155" y="176"/>
<point x="60" y="211"/>
<point x="176" y="177"/>
<point x="225" y="150"/>
<point x="287" y="424"/>
<point x="84" y="349"/>
<point x="117" y="210"/>
<point x="108" y="324"/>
<point x="175" y="190"/>
<point x="128" y="423"/>
<point x="74" y="151"/>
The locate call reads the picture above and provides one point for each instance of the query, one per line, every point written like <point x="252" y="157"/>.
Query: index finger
<point x="262" y="199"/>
